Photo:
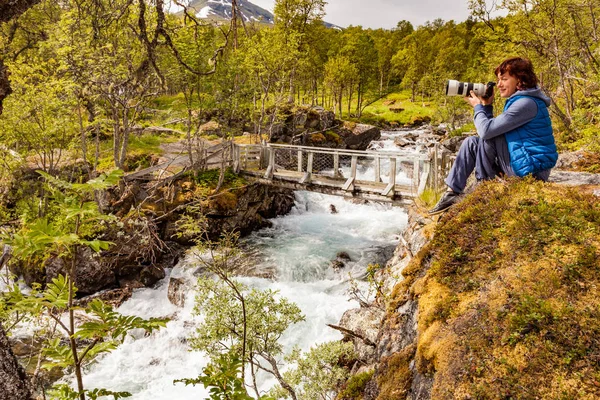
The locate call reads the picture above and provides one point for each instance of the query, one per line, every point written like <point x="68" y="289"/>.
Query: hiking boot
<point x="447" y="200"/>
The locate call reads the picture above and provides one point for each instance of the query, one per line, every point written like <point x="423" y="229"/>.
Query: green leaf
<point x="102" y="182"/>
<point x="94" y="394"/>
<point x="58" y="355"/>
<point x="57" y="293"/>
<point x="97" y="245"/>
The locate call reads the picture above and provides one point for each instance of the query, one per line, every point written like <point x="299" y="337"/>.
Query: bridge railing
<point x="392" y="169"/>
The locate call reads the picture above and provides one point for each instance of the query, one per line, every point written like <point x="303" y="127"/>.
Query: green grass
<point x="170" y="102"/>
<point x="386" y="111"/>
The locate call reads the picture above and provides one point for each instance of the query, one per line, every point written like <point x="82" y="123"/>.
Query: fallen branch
<point x="353" y="334"/>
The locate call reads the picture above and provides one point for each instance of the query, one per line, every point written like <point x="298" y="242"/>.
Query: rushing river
<point x="297" y="251"/>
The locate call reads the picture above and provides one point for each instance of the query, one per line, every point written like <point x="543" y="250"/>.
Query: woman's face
<point x="507" y="85"/>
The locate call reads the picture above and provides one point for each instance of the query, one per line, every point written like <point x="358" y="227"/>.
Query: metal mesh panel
<point x="286" y="159"/>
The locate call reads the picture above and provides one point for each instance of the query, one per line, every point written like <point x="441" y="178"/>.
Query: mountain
<point x="219" y="10"/>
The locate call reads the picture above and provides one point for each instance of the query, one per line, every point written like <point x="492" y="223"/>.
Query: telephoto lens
<point x="456" y="88"/>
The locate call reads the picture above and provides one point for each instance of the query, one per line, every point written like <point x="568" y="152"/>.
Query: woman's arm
<point x="519" y="113"/>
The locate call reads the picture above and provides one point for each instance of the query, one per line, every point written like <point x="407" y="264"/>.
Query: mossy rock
<point x="355" y="387"/>
<point x="317" y="138"/>
<point x="508" y="295"/>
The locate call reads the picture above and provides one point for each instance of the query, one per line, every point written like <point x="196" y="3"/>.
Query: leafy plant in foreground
<point x="62" y="237"/>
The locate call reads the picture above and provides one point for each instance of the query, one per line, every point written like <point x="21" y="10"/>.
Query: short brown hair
<point x="520" y="68"/>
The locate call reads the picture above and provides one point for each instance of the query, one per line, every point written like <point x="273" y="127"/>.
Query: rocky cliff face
<point x="315" y="126"/>
<point x="497" y="299"/>
<point x="13" y="382"/>
<point x="386" y="340"/>
<point x="145" y="242"/>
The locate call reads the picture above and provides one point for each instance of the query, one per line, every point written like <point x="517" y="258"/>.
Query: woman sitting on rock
<point x="518" y="142"/>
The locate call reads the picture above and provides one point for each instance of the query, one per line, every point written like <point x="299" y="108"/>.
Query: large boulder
<point x="362" y="326"/>
<point x="15" y="384"/>
<point x="240" y="210"/>
<point x="359" y="136"/>
<point x="91" y="274"/>
<point x="176" y="291"/>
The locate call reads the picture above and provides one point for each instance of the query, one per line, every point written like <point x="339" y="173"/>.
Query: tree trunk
<point x="275" y="370"/>
<point x="14" y="384"/>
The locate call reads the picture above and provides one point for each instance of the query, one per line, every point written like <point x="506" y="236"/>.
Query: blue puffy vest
<point x="531" y="146"/>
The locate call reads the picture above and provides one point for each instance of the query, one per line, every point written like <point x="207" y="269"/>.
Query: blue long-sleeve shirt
<point x="520" y="112"/>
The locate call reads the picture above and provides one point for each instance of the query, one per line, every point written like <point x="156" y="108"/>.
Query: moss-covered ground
<point x="509" y="306"/>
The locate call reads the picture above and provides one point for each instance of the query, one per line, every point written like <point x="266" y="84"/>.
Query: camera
<point x="456" y="88"/>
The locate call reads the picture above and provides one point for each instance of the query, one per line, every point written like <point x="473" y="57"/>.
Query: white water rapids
<point x="298" y="250"/>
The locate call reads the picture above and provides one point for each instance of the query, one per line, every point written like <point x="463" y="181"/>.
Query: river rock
<point x="337" y="265"/>
<point x="114" y="297"/>
<point x="403" y="142"/>
<point x="15" y="384"/>
<point x="440" y="130"/>
<point x="151" y="274"/>
<point x="453" y="144"/>
<point x="91" y="275"/>
<point x="365" y="323"/>
<point x="359" y="136"/>
<point x="176" y="291"/>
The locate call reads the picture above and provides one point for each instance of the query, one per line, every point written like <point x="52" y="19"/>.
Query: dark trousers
<point x="487" y="157"/>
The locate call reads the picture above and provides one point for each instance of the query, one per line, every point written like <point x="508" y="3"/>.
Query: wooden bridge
<point x="396" y="177"/>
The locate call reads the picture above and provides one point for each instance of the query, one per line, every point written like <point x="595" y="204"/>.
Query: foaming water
<point x="297" y="251"/>
<point x="301" y="245"/>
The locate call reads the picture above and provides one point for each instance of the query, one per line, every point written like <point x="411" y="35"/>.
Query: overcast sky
<point x="387" y="13"/>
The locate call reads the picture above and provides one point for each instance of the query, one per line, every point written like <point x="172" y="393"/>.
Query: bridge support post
<point x="300" y="161"/>
<point x="424" y="177"/>
<point x="377" y="169"/>
<point x="236" y="158"/>
<point x="271" y="167"/>
<point x="349" y="185"/>
<point x="389" y="190"/>
<point x="309" y="167"/>
<point x="336" y="165"/>
<point x="416" y="173"/>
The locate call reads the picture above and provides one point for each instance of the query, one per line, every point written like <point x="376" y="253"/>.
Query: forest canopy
<point x="92" y="70"/>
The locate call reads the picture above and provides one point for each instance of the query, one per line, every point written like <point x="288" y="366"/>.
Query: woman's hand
<point x="474" y="100"/>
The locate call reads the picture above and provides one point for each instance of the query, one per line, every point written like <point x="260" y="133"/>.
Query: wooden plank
<point x="349" y="185"/>
<point x="377" y="169"/>
<point x="271" y="167"/>
<point x="389" y="190"/>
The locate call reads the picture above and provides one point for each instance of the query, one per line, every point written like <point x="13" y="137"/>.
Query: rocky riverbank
<point x="148" y="237"/>
<point x="486" y="301"/>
